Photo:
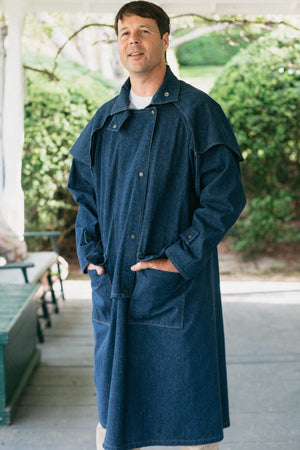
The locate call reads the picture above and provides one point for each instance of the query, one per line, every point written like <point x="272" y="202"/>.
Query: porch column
<point x="12" y="201"/>
<point x="3" y="33"/>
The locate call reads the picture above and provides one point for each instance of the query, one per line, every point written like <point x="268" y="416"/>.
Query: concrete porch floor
<point x="262" y="326"/>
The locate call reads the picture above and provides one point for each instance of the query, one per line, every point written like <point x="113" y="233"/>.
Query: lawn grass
<point x="202" y="77"/>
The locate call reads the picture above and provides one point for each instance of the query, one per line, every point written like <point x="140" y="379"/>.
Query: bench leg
<point x="40" y="332"/>
<point x="46" y="314"/>
<point x="54" y="299"/>
<point x="60" y="281"/>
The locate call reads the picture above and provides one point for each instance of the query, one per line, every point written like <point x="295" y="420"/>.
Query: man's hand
<point x="99" y="269"/>
<point x="159" y="264"/>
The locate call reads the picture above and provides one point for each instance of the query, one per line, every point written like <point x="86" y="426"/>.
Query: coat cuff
<point x="91" y="253"/>
<point x="183" y="254"/>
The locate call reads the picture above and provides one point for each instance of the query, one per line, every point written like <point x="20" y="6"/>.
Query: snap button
<point x="115" y="126"/>
<point x="152" y="112"/>
<point x="141" y="174"/>
<point x="166" y="94"/>
<point x="133" y="235"/>
<point x="190" y="236"/>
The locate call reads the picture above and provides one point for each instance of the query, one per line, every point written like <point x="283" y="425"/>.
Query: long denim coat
<point x="163" y="181"/>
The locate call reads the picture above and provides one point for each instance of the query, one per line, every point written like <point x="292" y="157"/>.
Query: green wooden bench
<point x="51" y="235"/>
<point x="18" y="344"/>
<point x="37" y="268"/>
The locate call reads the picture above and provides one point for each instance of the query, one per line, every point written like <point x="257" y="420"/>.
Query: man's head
<point x="143" y="38"/>
<point x="144" y="9"/>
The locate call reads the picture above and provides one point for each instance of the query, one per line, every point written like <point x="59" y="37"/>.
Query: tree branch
<point x="197" y="33"/>
<point x="238" y="21"/>
<point x="103" y="25"/>
<point x="49" y="74"/>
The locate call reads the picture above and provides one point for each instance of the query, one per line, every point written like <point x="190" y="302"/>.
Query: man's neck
<point x="147" y="85"/>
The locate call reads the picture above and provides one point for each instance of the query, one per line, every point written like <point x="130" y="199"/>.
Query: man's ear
<point x="165" y="39"/>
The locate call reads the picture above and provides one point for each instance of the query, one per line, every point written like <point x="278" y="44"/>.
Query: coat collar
<point x="168" y="92"/>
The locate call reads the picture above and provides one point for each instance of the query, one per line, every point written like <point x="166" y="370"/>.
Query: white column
<point x="3" y="33"/>
<point x="12" y="202"/>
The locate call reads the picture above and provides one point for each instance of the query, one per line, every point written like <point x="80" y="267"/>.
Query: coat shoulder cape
<point x="203" y="116"/>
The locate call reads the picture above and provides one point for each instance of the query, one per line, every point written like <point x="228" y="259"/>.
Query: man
<point x="157" y="179"/>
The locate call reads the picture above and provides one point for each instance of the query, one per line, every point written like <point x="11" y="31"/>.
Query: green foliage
<point x="267" y="222"/>
<point x="55" y="114"/>
<point x="260" y="92"/>
<point x="212" y="49"/>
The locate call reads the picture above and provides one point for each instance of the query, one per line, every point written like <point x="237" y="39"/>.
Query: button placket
<point x="137" y="160"/>
<point x="135" y="223"/>
<point x="143" y="175"/>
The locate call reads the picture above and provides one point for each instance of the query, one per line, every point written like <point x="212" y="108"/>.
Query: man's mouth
<point x="135" y="54"/>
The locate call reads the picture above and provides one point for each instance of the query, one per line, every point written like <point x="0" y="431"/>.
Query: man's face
<point x="141" y="47"/>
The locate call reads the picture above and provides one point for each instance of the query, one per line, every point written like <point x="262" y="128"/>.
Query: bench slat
<point x="39" y="264"/>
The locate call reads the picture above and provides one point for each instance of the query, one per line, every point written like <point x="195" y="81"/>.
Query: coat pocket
<point x="101" y="297"/>
<point x="158" y="299"/>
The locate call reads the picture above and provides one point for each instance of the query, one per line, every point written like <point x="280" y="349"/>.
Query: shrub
<point x="260" y="93"/>
<point x="212" y="49"/>
<point x="55" y="114"/>
<point x="267" y="222"/>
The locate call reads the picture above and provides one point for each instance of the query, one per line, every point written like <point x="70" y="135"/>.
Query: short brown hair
<point x="145" y="9"/>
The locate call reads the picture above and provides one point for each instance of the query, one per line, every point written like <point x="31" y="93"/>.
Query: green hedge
<point x="213" y="49"/>
<point x="55" y="114"/>
<point x="260" y="93"/>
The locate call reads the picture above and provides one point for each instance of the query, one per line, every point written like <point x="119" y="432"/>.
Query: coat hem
<point x="171" y="443"/>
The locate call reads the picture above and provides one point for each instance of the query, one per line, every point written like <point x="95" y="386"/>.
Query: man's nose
<point x="134" y="38"/>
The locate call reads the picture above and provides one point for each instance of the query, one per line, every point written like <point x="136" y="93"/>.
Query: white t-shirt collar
<point x="138" y="102"/>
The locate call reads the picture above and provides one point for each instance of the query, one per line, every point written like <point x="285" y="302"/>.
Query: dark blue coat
<point x="163" y="181"/>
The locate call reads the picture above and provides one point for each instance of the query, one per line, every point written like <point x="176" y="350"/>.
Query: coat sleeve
<point x="88" y="236"/>
<point x="221" y="200"/>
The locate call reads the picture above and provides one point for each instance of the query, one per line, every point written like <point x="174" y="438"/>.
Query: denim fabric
<point x="163" y="181"/>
